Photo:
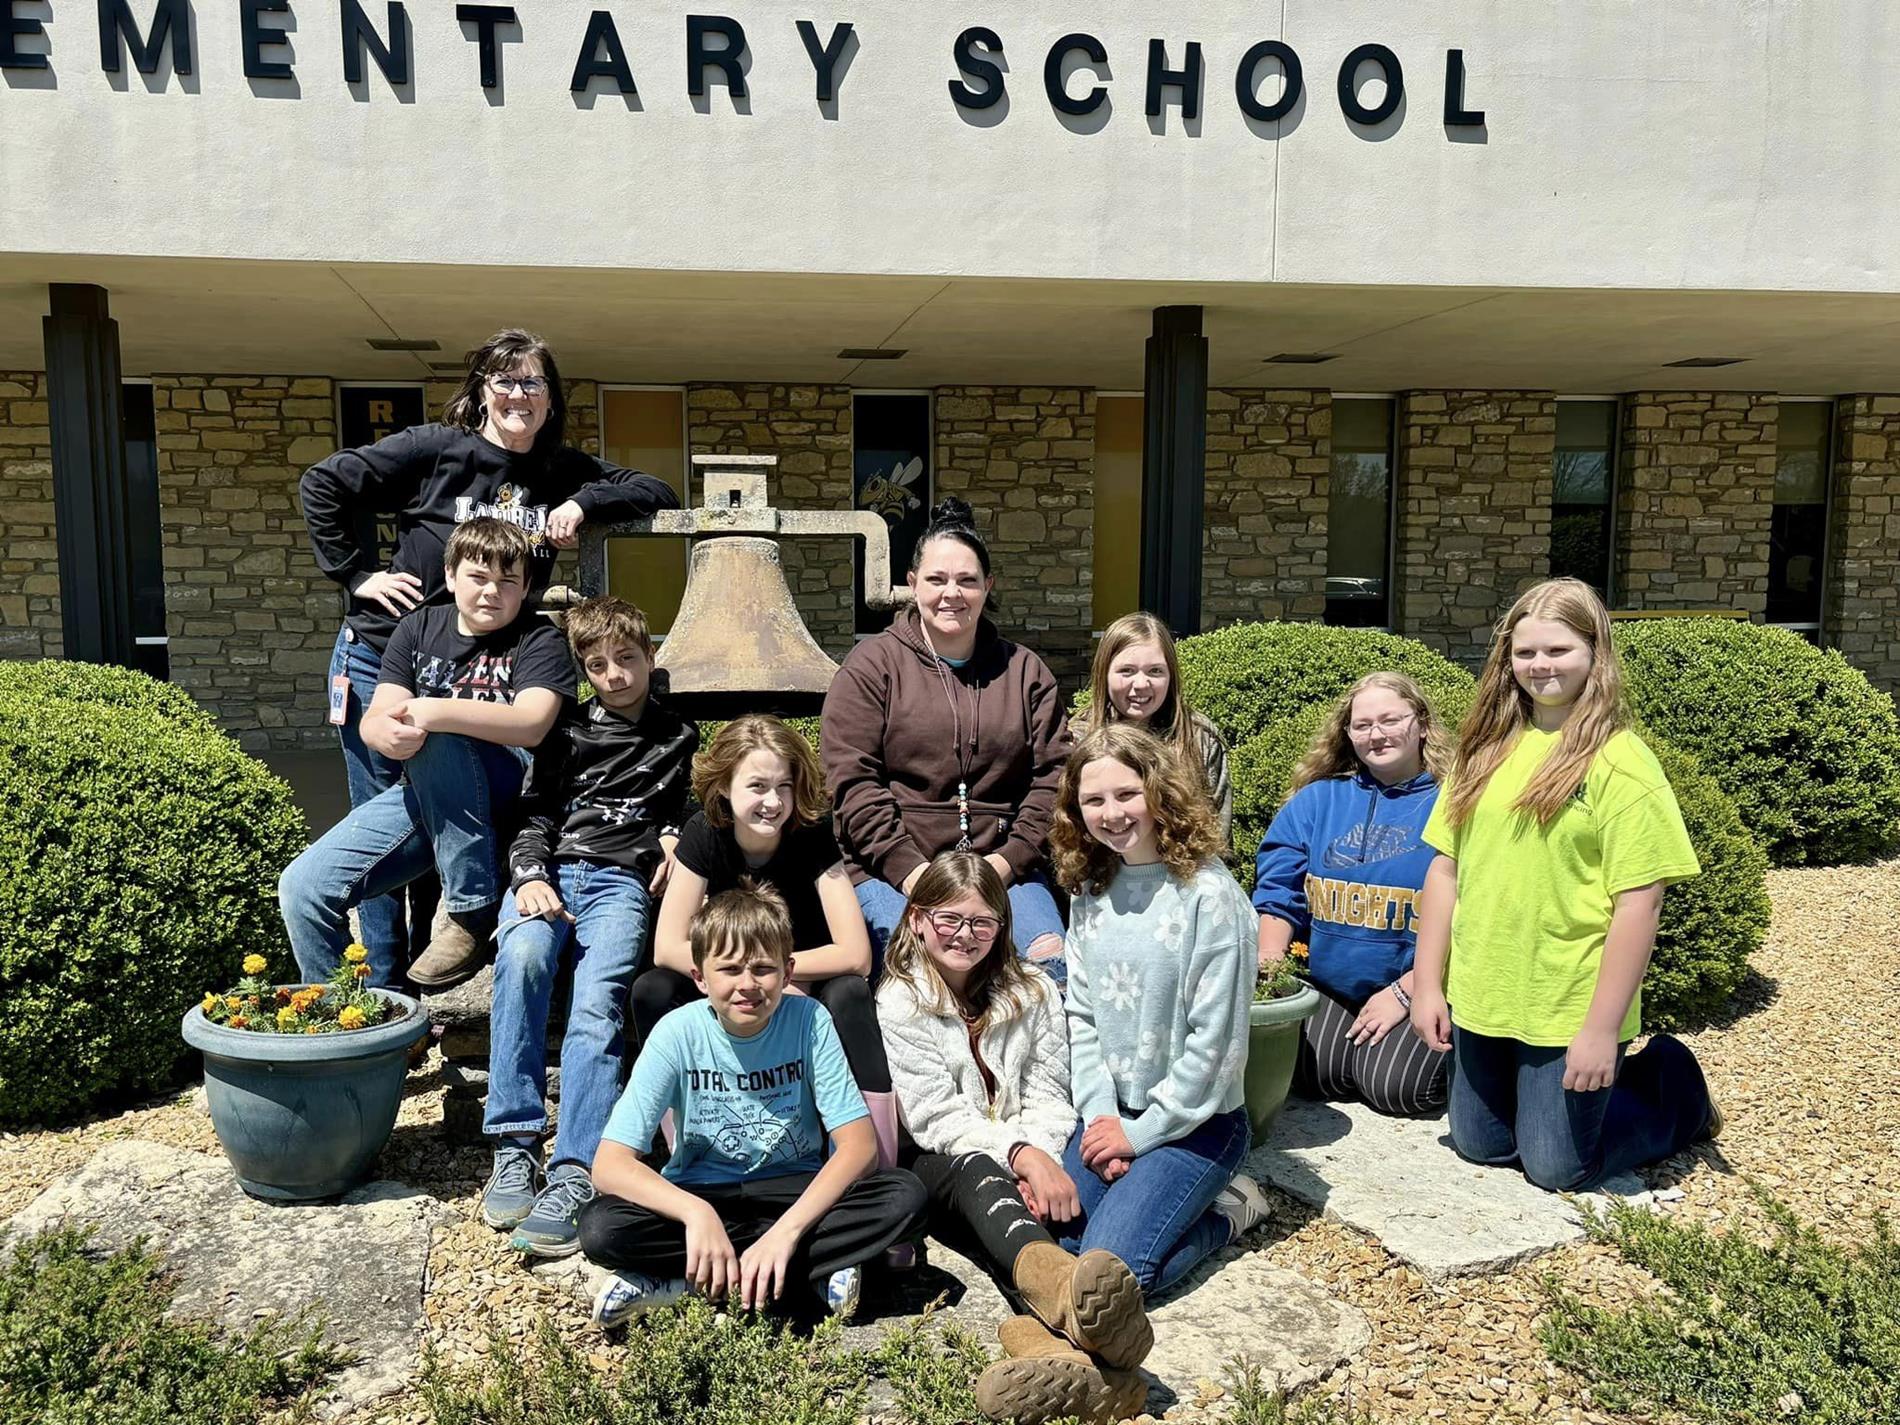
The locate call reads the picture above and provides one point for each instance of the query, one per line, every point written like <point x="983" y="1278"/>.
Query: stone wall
<point x="1473" y="511"/>
<point x="29" y="556"/>
<point x="1263" y="542"/>
<point x="1024" y="457"/>
<point x="1696" y="492"/>
<point x="1864" y="538"/>
<point x="809" y="429"/>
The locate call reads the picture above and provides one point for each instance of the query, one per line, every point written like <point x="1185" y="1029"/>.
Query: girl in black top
<point x="498" y="451"/>
<point x="763" y="820"/>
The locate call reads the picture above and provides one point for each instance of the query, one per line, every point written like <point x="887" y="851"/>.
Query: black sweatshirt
<point x="433" y="477"/>
<point x="602" y="789"/>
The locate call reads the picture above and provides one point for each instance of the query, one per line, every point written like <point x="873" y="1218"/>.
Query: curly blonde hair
<point x="1187" y="831"/>
<point x="1331" y="754"/>
<point x="1000" y="987"/>
<point x="1502" y="709"/>
<point x="739" y="739"/>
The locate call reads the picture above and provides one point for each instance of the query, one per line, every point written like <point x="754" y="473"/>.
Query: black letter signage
<point x="1457" y="116"/>
<point x="1388" y="63"/>
<point x="12" y="26"/>
<point x="825" y="57"/>
<point x="1087" y="46"/>
<point x="485" y="18"/>
<point x="592" y="64"/>
<point x="1187" y="79"/>
<point x="1247" y="87"/>
<point x="979" y="67"/>
<point x="256" y="35"/>
<point x="358" y="34"/>
<point x="699" y="28"/>
<point x="118" y="31"/>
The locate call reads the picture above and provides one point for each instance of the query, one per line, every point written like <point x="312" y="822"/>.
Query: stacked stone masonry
<point x="1263" y="545"/>
<point x="1697" y="488"/>
<point x="1862" y="616"/>
<point x="809" y="429"/>
<point x="29" y="556"/>
<point x="1473" y="511"/>
<point x="1024" y="457"/>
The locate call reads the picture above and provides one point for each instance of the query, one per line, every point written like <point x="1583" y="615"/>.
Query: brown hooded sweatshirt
<point x="891" y="760"/>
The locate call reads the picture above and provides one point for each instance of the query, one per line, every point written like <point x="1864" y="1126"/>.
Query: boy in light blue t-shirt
<point x="755" y="1082"/>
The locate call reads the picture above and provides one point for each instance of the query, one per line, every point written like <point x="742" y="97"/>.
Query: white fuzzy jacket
<point x="940" y="1095"/>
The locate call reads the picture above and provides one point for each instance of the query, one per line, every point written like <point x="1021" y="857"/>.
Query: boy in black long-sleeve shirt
<point x="604" y="800"/>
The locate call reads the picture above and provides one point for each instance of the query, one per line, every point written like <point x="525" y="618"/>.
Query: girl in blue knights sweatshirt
<point x="1341" y="869"/>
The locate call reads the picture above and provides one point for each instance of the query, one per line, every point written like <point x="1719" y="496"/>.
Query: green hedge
<point x="1248" y="676"/>
<point x="1259" y="771"/>
<point x="807" y="727"/>
<point x="139" y="856"/>
<point x="1805" y="746"/>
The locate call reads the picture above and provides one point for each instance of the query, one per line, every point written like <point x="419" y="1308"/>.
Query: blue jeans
<point x="386" y="925"/>
<point x="1509" y="1106"/>
<point x="610" y="907"/>
<point x="1157" y="1217"/>
<point x="1032" y="911"/>
<point x="441" y="817"/>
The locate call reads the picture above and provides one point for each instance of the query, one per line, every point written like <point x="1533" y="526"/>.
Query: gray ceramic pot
<point x="303" y="1116"/>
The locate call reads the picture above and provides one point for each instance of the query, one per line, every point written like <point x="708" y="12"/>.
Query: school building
<point x="1365" y="311"/>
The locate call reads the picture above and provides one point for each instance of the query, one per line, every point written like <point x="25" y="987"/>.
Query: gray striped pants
<point x="1398" y="1075"/>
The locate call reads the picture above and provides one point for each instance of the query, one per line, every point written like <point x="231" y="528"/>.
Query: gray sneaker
<point x="513" y="1184"/>
<point x="553" y="1229"/>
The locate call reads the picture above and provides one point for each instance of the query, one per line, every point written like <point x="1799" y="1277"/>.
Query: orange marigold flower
<point x="312" y="1029"/>
<point x="283" y="996"/>
<point x="210" y="1003"/>
<point x="356" y="954"/>
<point x="362" y="972"/>
<point x="350" y="1018"/>
<point x="238" y="1021"/>
<point x="286" y="1017"/>
<point x="233" y="1002"/>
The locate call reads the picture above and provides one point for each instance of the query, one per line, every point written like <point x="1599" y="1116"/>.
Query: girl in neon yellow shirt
<point x="1556" y="836"/>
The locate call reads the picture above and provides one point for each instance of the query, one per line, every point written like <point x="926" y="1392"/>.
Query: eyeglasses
<point x="529" y="386"/>
<point x="948" y="923"/>
<point x="1390" y="725"/>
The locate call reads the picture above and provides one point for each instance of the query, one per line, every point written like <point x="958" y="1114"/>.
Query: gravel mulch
<point x="1808" y="1074"/>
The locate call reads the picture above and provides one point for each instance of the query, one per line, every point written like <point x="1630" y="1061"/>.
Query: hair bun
<point x="953" y="512"/>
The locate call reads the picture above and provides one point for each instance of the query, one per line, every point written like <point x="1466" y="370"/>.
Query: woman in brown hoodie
<point x="939" y="734"/>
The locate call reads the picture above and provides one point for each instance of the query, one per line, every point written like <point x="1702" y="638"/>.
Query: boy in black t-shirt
<point x="603" y="804"/>
<point x="463" y="693"/>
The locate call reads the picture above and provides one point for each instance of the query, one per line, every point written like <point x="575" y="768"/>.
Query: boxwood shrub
<point x="1248" y="676"/>
<point x="139" y="856"/>
<point x="1805" y="746"/>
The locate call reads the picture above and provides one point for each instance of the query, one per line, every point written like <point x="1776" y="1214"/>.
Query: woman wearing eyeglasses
<point x="499" y="450"/>
<point x="1341" y="869"/>
<point x="979" y="1052"/>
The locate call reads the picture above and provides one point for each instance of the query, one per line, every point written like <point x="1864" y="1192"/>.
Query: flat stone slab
<point x="1398" y="1181"/>
<point x="361" y="1262"/>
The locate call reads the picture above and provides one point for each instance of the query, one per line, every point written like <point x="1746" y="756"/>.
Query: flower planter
<point x="1273" y="1044"/>
<point x="303" y="1116"/>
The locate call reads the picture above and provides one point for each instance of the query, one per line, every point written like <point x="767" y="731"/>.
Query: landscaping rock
<point x="361" y="1262"/>
<point x="460" y="1016"/>
<point x="1398" y="1181"/>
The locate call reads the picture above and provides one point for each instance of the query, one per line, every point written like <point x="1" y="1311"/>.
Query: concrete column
<point x="1174" y="456"/>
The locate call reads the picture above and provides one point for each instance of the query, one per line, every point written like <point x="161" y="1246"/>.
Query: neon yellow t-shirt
<point x="1534" y="901"/>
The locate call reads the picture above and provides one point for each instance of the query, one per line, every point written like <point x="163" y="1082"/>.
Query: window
<point x="1117" y="533"/>
<point x="140" y="426"/>
<point x="1797" y="532"/>
<point x="1359" y="514"/>
<point x="644" y="428"/>
<point x="1583" y="497"/>
<point x="891" y="473"/>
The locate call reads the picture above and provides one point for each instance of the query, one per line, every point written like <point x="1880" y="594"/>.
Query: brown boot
<point x="458" y="944"/>
<point x="1043" y="1378"/>
<point x="1094" y="1300"/>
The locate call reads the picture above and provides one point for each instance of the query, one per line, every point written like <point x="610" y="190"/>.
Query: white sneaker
<point x="627" y="1294"/>
<point x="842" y="1292"/>
<point x="1243" y="1204"/>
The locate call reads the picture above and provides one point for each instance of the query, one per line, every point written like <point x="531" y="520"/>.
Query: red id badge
<point x="339" y="699"/>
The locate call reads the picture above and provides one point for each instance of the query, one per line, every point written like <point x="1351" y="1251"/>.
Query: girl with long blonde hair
<point x="1556" y="839"/>
<point x="1136" y="678"/>
<point x="1161" y="973"/>
<point x="1340" y="868"/>
<point x="979" y="1053"/>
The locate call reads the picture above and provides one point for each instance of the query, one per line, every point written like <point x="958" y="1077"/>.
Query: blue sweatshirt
<point x="1343" y="864"/>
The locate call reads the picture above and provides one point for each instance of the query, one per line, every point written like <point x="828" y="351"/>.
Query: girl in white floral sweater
<point x="1161" y="972"/>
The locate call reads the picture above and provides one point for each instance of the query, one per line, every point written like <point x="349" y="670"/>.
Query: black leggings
<point x="974" y="1203"/>
<point x="1398" y="1075"/>
<point x="847" y="998"/>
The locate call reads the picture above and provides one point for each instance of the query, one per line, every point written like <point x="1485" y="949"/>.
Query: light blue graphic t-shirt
<point x="742" y="1108"/>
